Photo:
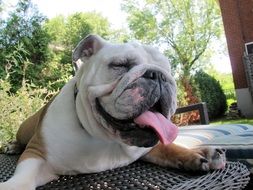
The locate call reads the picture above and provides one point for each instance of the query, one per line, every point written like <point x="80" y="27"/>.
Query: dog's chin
<point x="129" y="132"/>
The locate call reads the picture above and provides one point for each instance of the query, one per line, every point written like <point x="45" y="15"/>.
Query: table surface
<point x="143" y="175"/>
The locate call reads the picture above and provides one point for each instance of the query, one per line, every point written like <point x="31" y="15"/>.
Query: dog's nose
<point x="154" y="75"/>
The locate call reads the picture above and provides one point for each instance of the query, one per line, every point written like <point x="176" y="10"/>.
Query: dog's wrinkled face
<point x="129" y="88"/>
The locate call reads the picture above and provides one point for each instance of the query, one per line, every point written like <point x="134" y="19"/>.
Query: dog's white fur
<point x="83" y="153"/>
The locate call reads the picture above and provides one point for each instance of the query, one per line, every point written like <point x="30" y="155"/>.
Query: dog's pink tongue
<point x="165" y="129"/>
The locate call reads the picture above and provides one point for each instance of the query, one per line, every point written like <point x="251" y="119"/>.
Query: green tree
<point x="23" y="41"/>
<point x="65" y="33"/>
<point x="80" y="25"/>
<point x="73" y="28"/>
<point x="182" y="28"/>
<point x="56" y="29"/>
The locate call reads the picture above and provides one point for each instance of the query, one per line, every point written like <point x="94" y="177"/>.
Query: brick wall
<point x="237" y="18"/>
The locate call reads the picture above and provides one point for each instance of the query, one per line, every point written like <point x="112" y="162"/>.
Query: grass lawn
<point x="228" y="121"/>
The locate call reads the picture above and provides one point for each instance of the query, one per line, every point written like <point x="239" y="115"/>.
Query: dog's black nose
<point x="154" y="75"/>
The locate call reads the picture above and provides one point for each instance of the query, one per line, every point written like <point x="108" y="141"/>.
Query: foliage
<point x="211" y="92"/>
<point x="67" y="32"/>
<point x="80" y="25"/>
<point x="25" y="38"/>
<point x="54" y="75"/>
<point x="183" y="29"/>
<point x="22" y="40"/>
<point x="56" y="29"/>
<point x="119" y="36"/>
<point x="15" y="108"/>
<point x="226" y="81"/>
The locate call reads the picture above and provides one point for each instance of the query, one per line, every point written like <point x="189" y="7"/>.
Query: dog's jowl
<point x="115" y="110"/>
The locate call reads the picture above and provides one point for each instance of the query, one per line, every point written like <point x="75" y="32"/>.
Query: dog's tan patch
<point x="29" y="135"/>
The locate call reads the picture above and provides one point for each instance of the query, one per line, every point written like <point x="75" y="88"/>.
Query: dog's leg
<point x="172" y="155"/>
<point x="29" y="174"/>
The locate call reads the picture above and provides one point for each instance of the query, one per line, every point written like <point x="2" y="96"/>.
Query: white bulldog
<point x="114" y="111"/>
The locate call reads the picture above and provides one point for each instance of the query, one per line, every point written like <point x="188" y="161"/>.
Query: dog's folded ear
<point x="87" y="47"/>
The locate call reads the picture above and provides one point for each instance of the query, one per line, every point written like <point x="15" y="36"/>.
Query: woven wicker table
<point x="142" y="175"/>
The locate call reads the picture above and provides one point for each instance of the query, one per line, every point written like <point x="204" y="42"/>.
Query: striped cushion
<point x="237" y="139"/>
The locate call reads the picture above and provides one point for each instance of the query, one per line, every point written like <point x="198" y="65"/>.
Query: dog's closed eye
<point x="122" y="64"/>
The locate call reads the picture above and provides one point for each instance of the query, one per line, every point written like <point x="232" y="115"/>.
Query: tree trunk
<point x="190" y="96"/>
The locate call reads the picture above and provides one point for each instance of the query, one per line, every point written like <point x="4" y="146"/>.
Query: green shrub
<point x="211" y="92"/>
<point x="15" y="108"/>
<point x="52" y="76"/>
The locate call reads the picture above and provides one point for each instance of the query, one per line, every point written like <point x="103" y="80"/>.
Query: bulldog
<point x="115" y="110"/>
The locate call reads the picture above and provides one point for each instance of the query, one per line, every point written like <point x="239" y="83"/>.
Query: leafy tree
<point x="22" y="41"/>
<point x="80" y="25"/>
<point x="56" y="29"/>
<point x="68" y="31"/>
<point x="65" y="33"/>
<point x="182" y="28"/>
<point x="73" y="28"/>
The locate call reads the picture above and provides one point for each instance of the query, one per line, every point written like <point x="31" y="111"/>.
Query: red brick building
<point x="237" y="18"/>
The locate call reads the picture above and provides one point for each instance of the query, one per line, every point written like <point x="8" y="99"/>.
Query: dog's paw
<point x="205" y="159"/>
<point x="12" y="147"/>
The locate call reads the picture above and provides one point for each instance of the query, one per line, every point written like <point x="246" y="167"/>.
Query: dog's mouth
<point x="150" y="122"/>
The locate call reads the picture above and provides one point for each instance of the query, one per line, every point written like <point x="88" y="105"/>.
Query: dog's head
<point x="128" y="88"/>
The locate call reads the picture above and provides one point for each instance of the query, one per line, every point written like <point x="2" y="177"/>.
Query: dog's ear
<point x="85" y="49"/>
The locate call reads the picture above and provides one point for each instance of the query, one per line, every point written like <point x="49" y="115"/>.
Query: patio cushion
<point x="237" y="139"/>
